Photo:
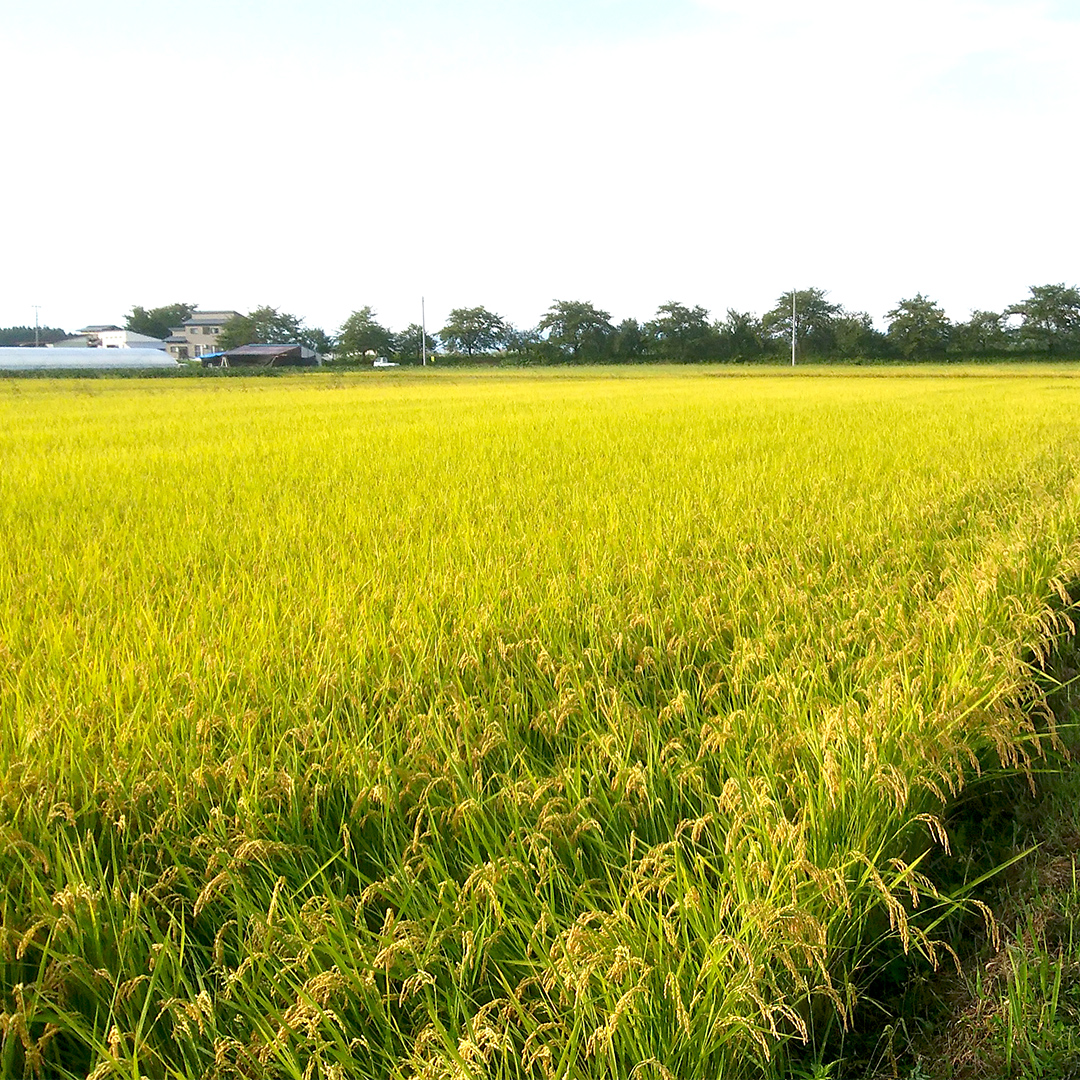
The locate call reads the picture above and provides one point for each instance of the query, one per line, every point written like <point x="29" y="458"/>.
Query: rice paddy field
<point x="511" y="725"/>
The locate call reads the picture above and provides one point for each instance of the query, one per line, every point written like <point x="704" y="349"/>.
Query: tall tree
<point x="268" y="326"/>
<point x="362" y="333"/>
<point x="740" y="336"/>
<point x="319" y="340"/>
<point x="527" y="345"/>
<point x="157" y="322"/>
<point x="854" y="335"/>
<point x="408" y="345"/>
<point x="628" y="344"/>
<point x="983" y="334"/>
<point x="815" y="319"/>
<point x="577" y="330"/>
<point x="1050" y="318"/>
<point x="474" y="330"/>
<point x="681" y="333"/>
<point x="919" y="328"/>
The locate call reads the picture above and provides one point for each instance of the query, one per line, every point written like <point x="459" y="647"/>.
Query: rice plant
<point x="509" y="726"/>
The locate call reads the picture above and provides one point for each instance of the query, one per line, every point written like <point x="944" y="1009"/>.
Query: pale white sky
<point x="323" y="155"/>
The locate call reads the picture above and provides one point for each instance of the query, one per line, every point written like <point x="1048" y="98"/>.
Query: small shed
<point x="265" y="356"/>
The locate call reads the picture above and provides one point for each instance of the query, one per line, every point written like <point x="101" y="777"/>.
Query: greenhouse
<point x="83" y="359"/>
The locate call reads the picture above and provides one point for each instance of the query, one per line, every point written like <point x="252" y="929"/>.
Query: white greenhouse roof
<point x="82" y="359"/>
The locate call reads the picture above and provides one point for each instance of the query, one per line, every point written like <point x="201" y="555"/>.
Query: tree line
<point x="23" y="336"/>
<point x="1046" y="323"/>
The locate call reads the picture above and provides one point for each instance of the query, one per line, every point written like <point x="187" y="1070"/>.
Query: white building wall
<point x="126" y="339"/>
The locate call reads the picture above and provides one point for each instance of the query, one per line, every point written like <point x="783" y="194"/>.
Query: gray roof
<point x="210" y="318"/>
<point x="82" y="359"/>
<point x="136" y="339"/>
<point x="97" y="329"/>
<point x="262" y="355"/>
<point x="269" y="350"/>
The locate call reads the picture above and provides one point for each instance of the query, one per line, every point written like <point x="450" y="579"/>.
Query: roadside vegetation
<point x="517" y="725"/>
<point x="1011" y="1005"/>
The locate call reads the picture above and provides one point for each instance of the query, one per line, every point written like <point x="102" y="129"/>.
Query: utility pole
<point x="37" y="334"/>
<point x="792" y="327"/>
<point x="423" y="334"/>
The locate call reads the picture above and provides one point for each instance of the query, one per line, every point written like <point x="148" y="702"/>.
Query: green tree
<point x="628" y="343"/>
<point x="1050" y="318"/>
<point x="577" y="330"/>
<point x="319" y="340"/>
<point x="474" y="330"/>
<point x="815" y="322"/>
<point x="362" y="333"/>
<point x="527" y="345"/>
<point x="25" y="335"/>
<point x="267" y="326"/>
<point x="982" y="335"/>
<point x="854" y="335"/>
<point x="157" y="322"/>
<point x="408" y="345"/>
<point x="919" y="328"/>
<point x="740" y="336"/>
<point x="681" y="333"/>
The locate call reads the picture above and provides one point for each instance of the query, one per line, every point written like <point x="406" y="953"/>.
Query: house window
<point x="194" y="330"/>
<point x="215" y="329"/>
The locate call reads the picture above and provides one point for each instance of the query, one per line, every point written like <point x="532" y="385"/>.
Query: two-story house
<point x="198" y="336"/>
